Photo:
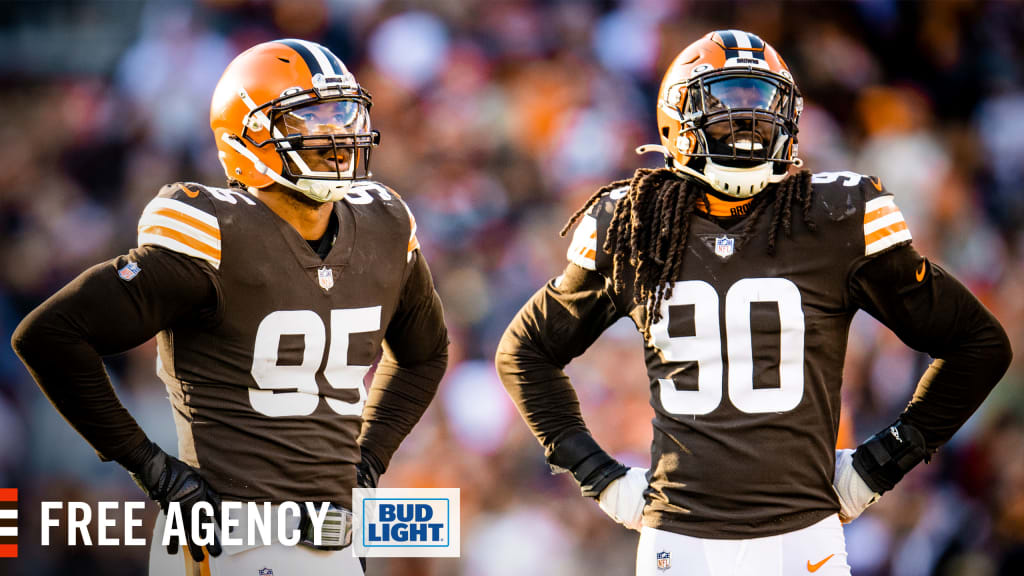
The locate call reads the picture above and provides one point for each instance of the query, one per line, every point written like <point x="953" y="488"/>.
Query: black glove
<point x="593" y="468"/>
<point x="166" y="479"/>
<point x="368" y="471"/>
<point x="885" y="457"/>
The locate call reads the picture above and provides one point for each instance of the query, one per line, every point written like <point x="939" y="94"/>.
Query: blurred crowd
<point x="498" y="120"/>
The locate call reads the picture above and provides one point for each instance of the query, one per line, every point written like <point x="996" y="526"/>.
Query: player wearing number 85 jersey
<point x="270" y="299"/>
<point x="742" y="276"/>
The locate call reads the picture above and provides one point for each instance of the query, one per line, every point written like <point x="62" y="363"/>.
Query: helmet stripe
<point x="729" y="43"/>
<point x="314" y="65"/>
<point x="318" y="52"/>
<point x="742" y="40"/>
<point x="339" y="66"/>
<point x="755" y="41"/>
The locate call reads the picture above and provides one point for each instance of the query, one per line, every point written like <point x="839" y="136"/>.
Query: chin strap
<point x="716" y="175"/>
<point x="649" y="148"/>
<point x="321" y="191"/>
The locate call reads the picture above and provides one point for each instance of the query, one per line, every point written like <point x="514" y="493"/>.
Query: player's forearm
<point x="539" y="387"/>
<point x="397" y="400"/>
<point x="959" y="381"/>
<point x="100" y="313"/>
<point x="549" y="405"/>
<point x="557" y="324"/>
<point x="934" y="313"/>
<point x="415" y="358"/>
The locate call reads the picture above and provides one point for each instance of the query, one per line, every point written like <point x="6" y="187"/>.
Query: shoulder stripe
<point x="880" y="222"/>
<point x="178" y="226"/>
<point x="175" y="223"/>
<point x="875" y="203"/>
<point x="212" y="231"/>
<point x="884" y="225"/>
<point x="887" y="241"/>
<point x="619" y="192"/>
<point x="174" y="240"/>
<point x="583" y="249"/>
<point x="171" y="203"/>
<point x="414" y="242"/>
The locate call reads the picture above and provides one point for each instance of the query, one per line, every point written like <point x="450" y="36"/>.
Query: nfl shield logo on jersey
<point x="266" y="572"/>
<point x="326" y="277"/>
<point x="724" y="246"/>
<point x="129" y="271"/>
<point x="664" y="560"/>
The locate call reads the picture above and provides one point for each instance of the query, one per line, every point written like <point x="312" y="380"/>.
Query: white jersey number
<point x="705" y="347"/>
<point x="291" y="390"/>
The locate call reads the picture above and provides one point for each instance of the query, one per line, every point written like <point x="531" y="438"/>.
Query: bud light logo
<point x="392" y="522"/>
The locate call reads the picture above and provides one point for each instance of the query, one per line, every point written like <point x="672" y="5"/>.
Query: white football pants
<point x="819" y="549"/>
<point x="270" y="560"/>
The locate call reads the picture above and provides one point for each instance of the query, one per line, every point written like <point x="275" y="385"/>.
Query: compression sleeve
<point x="105" y="312"/>
<point x="414" y="360"/>
<point x="556" y="325"/>
<point x="932" y="312"/>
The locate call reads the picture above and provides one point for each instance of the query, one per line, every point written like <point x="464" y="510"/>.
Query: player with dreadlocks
<point x="742" y="273"/>
<point x="663" y="198"/>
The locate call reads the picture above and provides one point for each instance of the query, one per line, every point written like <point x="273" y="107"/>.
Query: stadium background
<point x="498" y="120"/>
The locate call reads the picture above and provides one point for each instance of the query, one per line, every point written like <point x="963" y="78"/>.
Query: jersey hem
<point x="723" y="531"/>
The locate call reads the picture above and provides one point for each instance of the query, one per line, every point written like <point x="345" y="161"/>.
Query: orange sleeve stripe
<point x="186" y="219"/>
<point x="8" y="494"/>
<point x="883" y="232"/>
<point x="184" y="239"/>
<point x="414" y="243"/>
<point x="196" y="569"/>
<point x="878" y="213"/>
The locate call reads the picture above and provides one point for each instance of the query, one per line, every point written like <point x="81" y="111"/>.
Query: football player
<point x="743" y="275"/>
<point x="270" y="298"/>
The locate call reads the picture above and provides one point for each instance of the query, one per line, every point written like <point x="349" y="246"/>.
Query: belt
<point x="335" y="532"/>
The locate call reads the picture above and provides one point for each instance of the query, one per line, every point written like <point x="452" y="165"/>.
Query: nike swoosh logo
<point x="920" y="273"/>
<point x="814" y="567"/>
<point x="188" y="191"/>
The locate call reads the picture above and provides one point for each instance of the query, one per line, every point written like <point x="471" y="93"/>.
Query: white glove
<point x="854" y="494"/>
<point x="623" y="499"/>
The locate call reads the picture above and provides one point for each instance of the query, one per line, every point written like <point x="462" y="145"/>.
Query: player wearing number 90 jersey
<point x="270" y="299"/>
<point x="743" y="277"/>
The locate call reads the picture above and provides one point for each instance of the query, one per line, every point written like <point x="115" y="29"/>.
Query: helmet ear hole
<point x="664" y="131"/>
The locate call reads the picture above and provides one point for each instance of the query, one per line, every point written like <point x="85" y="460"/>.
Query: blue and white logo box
<point x="405" y="522"/>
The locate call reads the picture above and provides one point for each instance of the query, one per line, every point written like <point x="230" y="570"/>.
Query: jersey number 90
<point x="705" y="347"/>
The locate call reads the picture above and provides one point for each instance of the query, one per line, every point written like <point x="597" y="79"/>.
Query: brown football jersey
<point x="746" y="362"/>
<point x="267" y="399"/>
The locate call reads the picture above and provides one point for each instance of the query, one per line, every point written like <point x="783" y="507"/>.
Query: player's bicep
<point x="919" y="301"/>
<point x="119" y="304"/>
<point x="417" y="331"/>
<point x="563" y="318"/>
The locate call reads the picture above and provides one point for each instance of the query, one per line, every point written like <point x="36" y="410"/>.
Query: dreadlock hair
<point x="651" y="223"/>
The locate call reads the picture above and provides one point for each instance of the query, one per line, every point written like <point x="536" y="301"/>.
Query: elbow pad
<point x="886" y="457"/>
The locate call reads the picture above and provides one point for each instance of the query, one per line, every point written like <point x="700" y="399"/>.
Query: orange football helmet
<point x="728" y="112"/>
<point x="289" y="112"/>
